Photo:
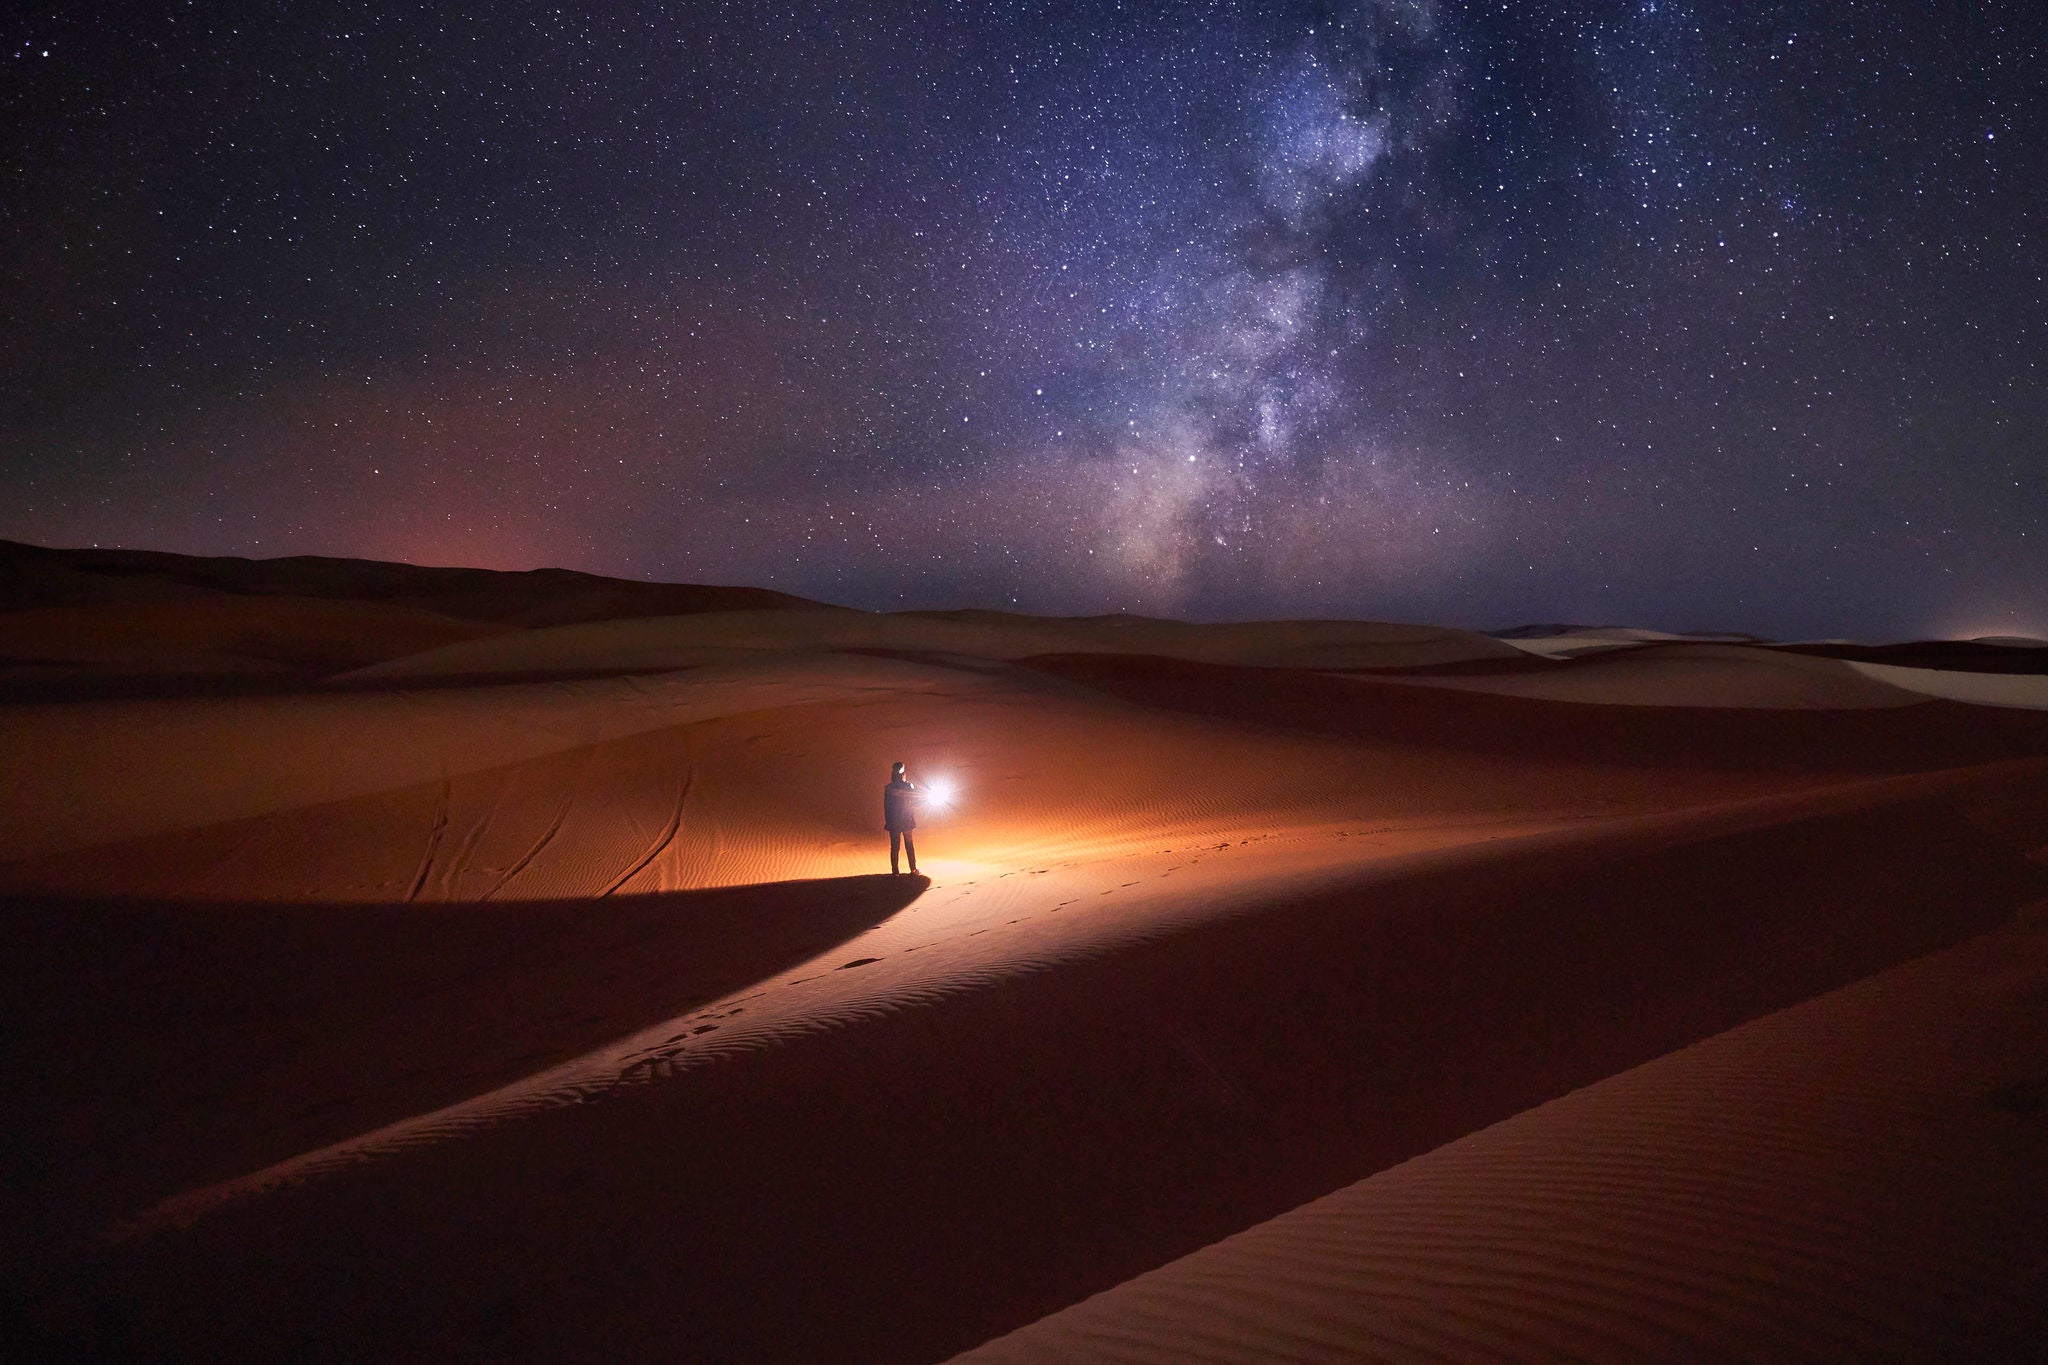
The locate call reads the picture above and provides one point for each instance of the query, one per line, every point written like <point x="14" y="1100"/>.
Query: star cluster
<point x="1708" y="316"/>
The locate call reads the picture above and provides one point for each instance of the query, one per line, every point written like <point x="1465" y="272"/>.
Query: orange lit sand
<point x="533" y="996"/>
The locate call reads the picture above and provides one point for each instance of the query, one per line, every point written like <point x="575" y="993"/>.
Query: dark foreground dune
<point x="1854" y="1178"/>
<point x="533" y="995"/>
<point x="224" y="1037"/>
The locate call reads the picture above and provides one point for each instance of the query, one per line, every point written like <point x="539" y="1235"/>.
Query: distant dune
<point x="1988" y="655"/>
<point x="226" y="635"/>
<point x="32" y="576"/>
<point x="423" y="964"/>
<point x="1985" y="654"/>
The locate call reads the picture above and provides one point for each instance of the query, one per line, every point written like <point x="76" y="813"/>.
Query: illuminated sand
<point x="747" y="770"/>
<point x="534" y="996"/>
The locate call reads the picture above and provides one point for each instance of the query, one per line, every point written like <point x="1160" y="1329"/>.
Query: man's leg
<point x="895" y="842"/>
<point x="910" y="850"/>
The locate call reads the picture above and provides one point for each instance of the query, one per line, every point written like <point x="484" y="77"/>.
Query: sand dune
<point x="1021" y="1090"/>
<point x="1565" y="642"/>
<point x="1807" y="740"/>
<point x="2028" y="691"/>
<point x="530" y="994"/>
<point x="778" y="753"/>
<point x="230" y="1036"/>
<point x="677" y="642"/>
<point x="1696" y="675"/>
<point x="1857" y="1177"/>
<point x="94" y="772"/>
<point x="1985" y="654"/>
<point x="35" y="576"/>
<point x="760" y="765"/>
<point x="228" y="634"/>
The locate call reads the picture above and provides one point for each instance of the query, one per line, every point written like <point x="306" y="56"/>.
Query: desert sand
<point x="430" y="964"/>
<point x="1854" y="1178"/>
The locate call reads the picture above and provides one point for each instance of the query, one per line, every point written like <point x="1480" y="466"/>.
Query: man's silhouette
<point x="899" y="801"/>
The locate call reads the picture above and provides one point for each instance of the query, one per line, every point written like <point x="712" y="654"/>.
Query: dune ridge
<point x="2027" y="691"/>
<point x="669" y="642"/>
<point x="1854" y="1177"/>
<point x="39" y="576"/>
<point x="220" y="634"/>
<point x="1715" y="676"/>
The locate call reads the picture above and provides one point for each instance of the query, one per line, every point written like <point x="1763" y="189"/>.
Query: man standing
<point x="899" y="800"/>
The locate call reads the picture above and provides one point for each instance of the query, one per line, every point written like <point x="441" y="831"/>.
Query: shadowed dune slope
<point x="676" y="642"/>
<point x="1855" y="1178"/>
<point x="1740" y="676"/>
<point x="1923" y="736"/>
<point x="1564" y="642"/>
<point x="1963" y="656"/>
<point x="228" y="634"/>
<point x="947" y="1156"/>
<point x="1702" y="676"/>
<point x="218" y="1038"/>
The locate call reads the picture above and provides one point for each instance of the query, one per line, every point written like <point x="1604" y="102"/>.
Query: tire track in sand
<point x="667" y="837"/>
<point x="434" y="837"/>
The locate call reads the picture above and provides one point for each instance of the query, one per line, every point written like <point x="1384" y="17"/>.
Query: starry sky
<point x="1704" y="316"/>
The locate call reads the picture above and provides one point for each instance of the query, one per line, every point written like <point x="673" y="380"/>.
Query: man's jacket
<point x="899" y="800"/>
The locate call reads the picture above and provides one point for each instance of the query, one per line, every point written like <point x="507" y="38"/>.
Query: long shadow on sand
<point x="958" y="1164"/>
<point x="150" y="1046"/>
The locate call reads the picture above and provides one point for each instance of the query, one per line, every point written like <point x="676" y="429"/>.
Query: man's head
<point x="896" y="771"/>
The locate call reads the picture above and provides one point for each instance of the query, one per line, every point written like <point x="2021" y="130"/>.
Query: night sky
<point x="1698" y="316"/>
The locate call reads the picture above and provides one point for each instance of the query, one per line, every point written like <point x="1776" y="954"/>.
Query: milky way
<point x="1696" y="316"/>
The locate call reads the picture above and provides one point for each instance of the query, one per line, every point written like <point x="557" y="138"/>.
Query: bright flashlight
<point x="939" y="792"/>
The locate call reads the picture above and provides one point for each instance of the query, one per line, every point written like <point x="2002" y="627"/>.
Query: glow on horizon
<point x="2015" y="623"/>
